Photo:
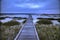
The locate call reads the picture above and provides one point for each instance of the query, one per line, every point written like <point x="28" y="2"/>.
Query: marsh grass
<point x="9" y="30"/>
<point x="48" y="32"/>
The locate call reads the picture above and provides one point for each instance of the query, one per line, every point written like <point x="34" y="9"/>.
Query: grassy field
<point x="48" y="32"/>
<point x="9" y="30"/>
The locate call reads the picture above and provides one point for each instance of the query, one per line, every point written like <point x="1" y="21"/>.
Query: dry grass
<point x="48" y="32"/>
<point x="8" y="33"/>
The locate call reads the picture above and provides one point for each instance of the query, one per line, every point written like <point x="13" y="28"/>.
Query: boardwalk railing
<point x="36" y="33"/>
<point x="19" y="33"/>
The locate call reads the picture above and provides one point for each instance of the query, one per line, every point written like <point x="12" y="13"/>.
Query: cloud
<point x="29" y="5"/>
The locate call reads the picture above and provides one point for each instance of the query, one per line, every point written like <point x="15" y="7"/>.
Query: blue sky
<point x="30" y="6"/>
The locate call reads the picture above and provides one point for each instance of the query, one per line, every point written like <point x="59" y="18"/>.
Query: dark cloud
<point x="30" y="6"/>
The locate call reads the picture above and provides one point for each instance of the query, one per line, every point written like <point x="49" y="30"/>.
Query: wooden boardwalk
<point x="28" y="31"/>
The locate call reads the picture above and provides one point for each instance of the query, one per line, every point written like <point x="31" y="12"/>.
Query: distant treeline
<point x="49" y="18"/>
<point x="12" y="17"/>
<point x="27" y="14"/>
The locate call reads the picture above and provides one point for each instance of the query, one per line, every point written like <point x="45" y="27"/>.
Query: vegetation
<point x="19" y="18"/>
<point x="44" y="21"/>
<point x="47" y="32"/>
<point x="59" y="20"/>
<point x="11" y="23"/>
<point x="9" y="30"/>
<point x="24" y="21"/>
<point x="47" y="18"/>
<point x="1" y="18"/>
<point x="1" y="22"/>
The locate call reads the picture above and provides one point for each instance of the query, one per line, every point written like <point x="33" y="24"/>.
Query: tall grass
<point x="9" y="30"/>
<point x="48" y="32"/>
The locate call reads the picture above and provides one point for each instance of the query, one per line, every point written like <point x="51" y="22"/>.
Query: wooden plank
<point x="28" y="32"/>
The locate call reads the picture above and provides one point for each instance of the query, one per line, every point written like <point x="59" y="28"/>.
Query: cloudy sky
<point x="30" y="6"/>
